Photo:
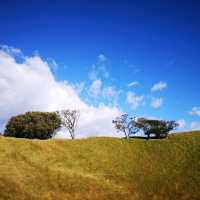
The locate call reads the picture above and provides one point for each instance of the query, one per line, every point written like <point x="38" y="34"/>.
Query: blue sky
<point x="147" y="43"/>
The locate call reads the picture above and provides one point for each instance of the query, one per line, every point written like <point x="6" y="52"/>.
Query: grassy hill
<point x="100" y="168"/>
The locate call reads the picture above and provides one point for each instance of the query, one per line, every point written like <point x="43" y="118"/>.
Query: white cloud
<point x="98" y="76"/>
<point x="99" y="69"/>
<point x="110" y="92"/>
<point x="134" y="83"/>
<point x="181" y="123"/>
<point x="52" y="64"/>
<point x="10" y="50"/>
<point x="195" y="125"/>
<point x="93" y="74"/>
<point x="156" y="102"/>
<point x="79" y="87"/>
<point x="159" y="86"/>
<point x="97" y="121"/>
<point x="31" y="86"/>
<point x="195" y="111"/>
<point x="102" y="58"/>
<point x="151" y="117"/>
<point x="133" y="100"/>
<point x="95" y="88"/>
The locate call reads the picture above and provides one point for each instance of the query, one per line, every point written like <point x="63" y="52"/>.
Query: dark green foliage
<point x="160" y="128"/>
<point x="33" y="125"/>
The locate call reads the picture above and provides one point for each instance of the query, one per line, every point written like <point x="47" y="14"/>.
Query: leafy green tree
<point x="33" y="125"/>
<point x="160" y="128"/>
<point x="130" y="126"/>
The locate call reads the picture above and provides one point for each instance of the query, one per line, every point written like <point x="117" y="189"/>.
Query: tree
<point x="69" y="119"/>
<point x="33" y="125"/>
<point x="160" y="128"/>
<point x="130" y="126"/>
<point x="126" y="125"/>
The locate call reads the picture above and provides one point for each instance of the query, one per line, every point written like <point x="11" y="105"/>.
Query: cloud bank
<point x="29" y="85"/>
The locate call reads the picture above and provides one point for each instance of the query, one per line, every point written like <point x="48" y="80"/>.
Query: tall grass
<point x="100" y="168"/>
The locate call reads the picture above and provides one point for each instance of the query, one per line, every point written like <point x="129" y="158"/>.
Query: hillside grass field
<point x="100" y="168"/>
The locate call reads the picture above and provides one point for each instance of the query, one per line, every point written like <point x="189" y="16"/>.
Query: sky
<point x="103" y="58"/>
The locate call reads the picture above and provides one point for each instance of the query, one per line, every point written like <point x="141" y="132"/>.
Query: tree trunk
<point x="72" y="135"/>
<point x="125" y="134"/>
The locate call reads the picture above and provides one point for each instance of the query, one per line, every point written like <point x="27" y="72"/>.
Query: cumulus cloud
<point x="195" y="111"/>
<point x="158" y="86"/>
<point x="31" y="86"/>
<point x="181" y="123"/>
<point x="133" y="100"/>
<point x="195" y="125"/>
<point x="134" y="83"/>
<point x="97" y="121"/>
<point x="156" y="102"/>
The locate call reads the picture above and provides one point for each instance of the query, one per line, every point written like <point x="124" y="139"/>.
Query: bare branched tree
<point x="69" y="119"/>
<point x="126" y="125"/>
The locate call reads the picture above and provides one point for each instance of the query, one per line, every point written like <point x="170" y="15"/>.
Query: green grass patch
<point x="100" y="168"/>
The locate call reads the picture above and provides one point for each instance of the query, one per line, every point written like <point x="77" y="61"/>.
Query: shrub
<point x="32" y="125"/>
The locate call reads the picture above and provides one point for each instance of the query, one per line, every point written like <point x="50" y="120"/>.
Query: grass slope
<point x="100" y="168"/>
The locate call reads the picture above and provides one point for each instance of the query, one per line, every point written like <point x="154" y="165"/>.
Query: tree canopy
<point x="33" y="125"/>
<point x="160" y="128"/>
<point x="130" y="126"/>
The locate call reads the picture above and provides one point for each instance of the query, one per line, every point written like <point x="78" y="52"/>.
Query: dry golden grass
<point x="100" y="168"/>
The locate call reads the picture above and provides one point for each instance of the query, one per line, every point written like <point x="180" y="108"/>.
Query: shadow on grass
<point x="145" y="137"/>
